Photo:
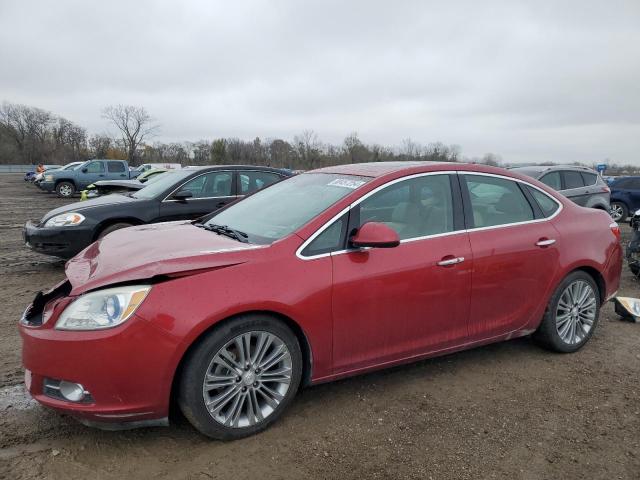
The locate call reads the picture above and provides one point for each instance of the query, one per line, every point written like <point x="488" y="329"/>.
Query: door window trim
<point x="461" y="198"/>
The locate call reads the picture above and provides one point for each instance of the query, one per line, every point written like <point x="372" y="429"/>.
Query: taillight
<point x="615" y="229"/>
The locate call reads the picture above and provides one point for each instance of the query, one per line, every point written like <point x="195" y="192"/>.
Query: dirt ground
<point x="509" y="410"/>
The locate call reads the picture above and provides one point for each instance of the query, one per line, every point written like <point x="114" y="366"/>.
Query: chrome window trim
<point x="437" y="235"/>
<point x="198" y="176"/>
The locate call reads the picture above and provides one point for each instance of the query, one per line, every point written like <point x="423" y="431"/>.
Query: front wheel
<point x="572" y="314"/>
<point x="240" y="377"/>
<point x="65" y="189"/>
<point x="618" y="211"/>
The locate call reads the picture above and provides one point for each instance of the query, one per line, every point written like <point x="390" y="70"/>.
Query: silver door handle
<point x="545" y="243"/>
<point x="450" y="261"/>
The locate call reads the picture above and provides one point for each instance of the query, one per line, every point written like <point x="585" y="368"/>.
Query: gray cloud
<point x="531" y="81"/>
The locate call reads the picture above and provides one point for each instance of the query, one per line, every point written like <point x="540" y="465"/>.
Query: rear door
<point x="573" y="187"/>
<point x="210" y="192"/>
<point x="514" y="249"/>
<point x="116" y="171"/>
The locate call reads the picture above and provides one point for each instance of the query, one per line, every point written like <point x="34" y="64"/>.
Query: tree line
<point x="30" y="135"/>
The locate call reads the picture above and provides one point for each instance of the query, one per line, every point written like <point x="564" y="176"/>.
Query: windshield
<point x="71" y="166"/>
<point x="281" y="209"/>
<point x="529" y="172"/>
<point x="165" y="181"/>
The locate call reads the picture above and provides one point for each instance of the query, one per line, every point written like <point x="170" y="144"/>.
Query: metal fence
<point x="17" y="168"/>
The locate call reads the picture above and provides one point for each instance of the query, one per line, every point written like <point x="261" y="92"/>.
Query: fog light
<point x="74" y="392"/>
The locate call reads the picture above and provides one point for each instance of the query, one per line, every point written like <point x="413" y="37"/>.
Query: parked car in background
<point x="625" y="197"/>
<point x="580" y="184"/>
<point x="67" y="182"/>
<point x="106" y="187"/>
<point x="69" y="166"/>
<point x="183" y="194"/>
<point x="327" y="274"/>
<point x="167" y="166"/>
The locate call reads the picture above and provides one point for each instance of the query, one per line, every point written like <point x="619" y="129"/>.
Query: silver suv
<point x="581" y="184"/>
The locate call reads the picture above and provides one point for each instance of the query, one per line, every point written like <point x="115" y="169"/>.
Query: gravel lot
<point x="509" y="410"/>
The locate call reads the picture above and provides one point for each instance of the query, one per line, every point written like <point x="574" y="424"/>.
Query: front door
<point x="91" y="172"/>
<point x="396" y="303"/>
<point x="210" y="192"/>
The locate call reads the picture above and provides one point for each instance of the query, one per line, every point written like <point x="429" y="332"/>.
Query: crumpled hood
<point x="140" y="253"/>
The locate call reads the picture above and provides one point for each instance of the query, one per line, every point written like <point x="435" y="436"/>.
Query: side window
<point x="497" y="201"/>
<point x="546" y="204"/>
<point x="417" y="207"/>
<point x="214" y="184"/>
<point x="589" y="178"/>
<point x="253" y="181"/>
<point x="95" y="167"/>
<point x="572" y="179"/>
<point x="552" y="180"/>
<point x="115" y="167"/>
<point x="330" y="240"/>
<point x="634" y="184"/>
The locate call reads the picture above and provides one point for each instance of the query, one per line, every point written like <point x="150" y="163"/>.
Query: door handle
<point x="221" y="204"/>
<point x="450" y="261"/>
<point x="545" y="242"/>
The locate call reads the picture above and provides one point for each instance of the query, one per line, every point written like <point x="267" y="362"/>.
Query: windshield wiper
<point x="224" y="230"/>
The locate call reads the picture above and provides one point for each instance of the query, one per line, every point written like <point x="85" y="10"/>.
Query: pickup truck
<point x="67" y="182"/>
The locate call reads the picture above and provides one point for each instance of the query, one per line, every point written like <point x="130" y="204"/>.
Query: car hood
<point x="87" y="204"/>
<point x="147" y="251"/>
<point x="133" y="184"/>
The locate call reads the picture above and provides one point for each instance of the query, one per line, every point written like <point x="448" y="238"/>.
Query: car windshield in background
<point x="530" y="172"/>
<point x="165" y="181"/>
<point x="273" y="213"/>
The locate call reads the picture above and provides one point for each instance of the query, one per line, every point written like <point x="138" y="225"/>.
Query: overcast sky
<point x="530" y="81"/>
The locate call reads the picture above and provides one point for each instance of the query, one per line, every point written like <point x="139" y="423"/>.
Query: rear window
<point x="572" y="179"/>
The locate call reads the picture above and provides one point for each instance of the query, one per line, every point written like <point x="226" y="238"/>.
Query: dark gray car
<point x="581" y="184"/>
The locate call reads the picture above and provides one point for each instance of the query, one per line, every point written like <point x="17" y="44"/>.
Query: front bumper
<point x="62" y="242"/>
<point x="126" y="370"/>
<point x="46" y="186"/>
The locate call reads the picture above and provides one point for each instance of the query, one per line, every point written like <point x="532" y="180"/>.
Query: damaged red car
<point x="327" y="274"/>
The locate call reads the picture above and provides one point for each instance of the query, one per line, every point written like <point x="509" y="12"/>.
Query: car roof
<point x="233" y="167"/>
<point x="379" y="169"/>
<point x="546" y="168"/>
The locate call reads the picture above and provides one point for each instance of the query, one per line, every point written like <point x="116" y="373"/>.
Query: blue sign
<point x="601" y="168"/>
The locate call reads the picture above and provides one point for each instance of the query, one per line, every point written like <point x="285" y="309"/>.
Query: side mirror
<point x="84" y="170"/>
<point x="375" y="235"/>
<point x="182" y="195"/>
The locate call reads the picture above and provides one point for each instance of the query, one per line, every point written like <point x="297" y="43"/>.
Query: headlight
<point x="48" y="178"/>
<point x="103" y="308"/>
<point x="65" y="219"/>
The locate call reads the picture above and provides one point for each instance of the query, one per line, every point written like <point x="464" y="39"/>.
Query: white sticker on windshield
<point x="343" y="182"/>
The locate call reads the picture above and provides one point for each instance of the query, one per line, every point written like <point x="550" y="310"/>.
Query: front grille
<point x="33" y="315"/>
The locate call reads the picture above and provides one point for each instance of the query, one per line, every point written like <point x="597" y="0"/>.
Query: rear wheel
<point x="619" y="211"/>
<point x="113" y="228"/>
<point x="65" y="189"/>
<point x="240" y="377"/>
<point x="572" y="314"/>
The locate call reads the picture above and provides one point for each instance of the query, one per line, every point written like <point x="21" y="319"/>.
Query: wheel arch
<point x="58" y="181"/>
<point x="112" y="221"/>
<point x="301" y="336"/>
<point x="597" y="277"/>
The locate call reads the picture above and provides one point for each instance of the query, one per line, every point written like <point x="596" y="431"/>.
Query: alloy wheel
<point x="247" y="379"/>
<point x="65" y="191"/>
<point x="576" y="312"/>
<point x="616" y="211"/>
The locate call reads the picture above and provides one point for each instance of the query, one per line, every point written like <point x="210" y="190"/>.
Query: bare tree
<point x="29" y="128"/>
<point x="135" y="125"/>
<point x="308" y="146"/>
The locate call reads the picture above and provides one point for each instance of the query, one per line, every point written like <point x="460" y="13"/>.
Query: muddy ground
<point x="509" y="410"/>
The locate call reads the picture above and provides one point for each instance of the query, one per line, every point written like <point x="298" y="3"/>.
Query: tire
<point x="113" y="228"/>
<point x="233" y="401"/>
<point x="567" y="329"/>
<point x="65" y="189"/>
<point x="619" y="211"/>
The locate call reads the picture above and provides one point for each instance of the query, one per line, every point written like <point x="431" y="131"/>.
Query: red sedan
<point x="330" y="273"/>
